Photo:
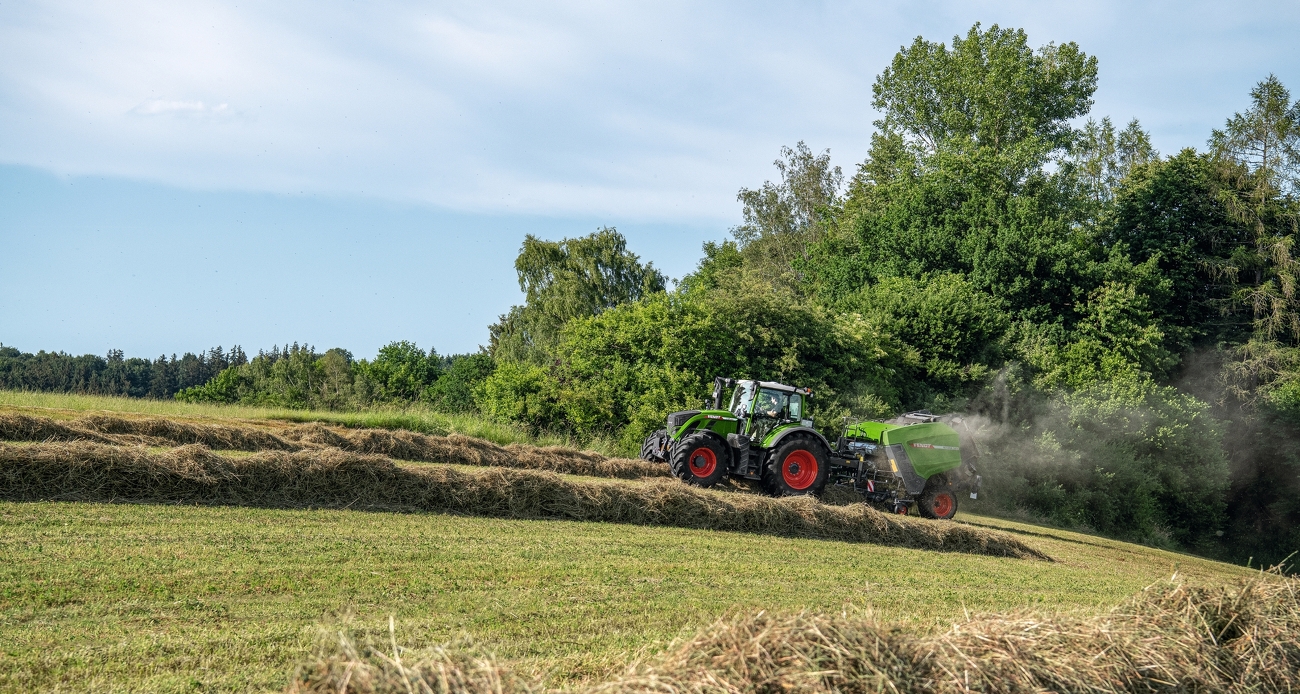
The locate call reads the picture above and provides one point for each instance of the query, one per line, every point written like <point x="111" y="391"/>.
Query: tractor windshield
<point x="741" y="398"/>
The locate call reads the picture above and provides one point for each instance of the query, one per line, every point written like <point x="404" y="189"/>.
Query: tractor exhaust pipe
<point x="719" y="384"/>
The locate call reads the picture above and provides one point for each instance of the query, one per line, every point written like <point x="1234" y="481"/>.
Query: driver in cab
<point x="768" y="405"/>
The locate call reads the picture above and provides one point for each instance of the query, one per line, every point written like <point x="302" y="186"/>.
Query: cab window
<point x="796" y="406"/>
<point x="771" y="404"/>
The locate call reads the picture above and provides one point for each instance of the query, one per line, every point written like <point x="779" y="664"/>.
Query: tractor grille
<point x="677" y="419"/>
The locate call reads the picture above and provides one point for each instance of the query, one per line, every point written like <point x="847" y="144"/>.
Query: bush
<point x="455" y="387"/>
<point x="522" y="393"/>
<point x="400" y="372"/>
<point x="954" y="327"/>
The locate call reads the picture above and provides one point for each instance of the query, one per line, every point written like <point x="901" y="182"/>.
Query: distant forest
<point x="114" y="374"/>
<point x="1123" y="324"/>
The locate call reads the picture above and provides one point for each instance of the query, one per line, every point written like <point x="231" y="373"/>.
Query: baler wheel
<point x="701" y="459"/>
<point x="938" y="500"/>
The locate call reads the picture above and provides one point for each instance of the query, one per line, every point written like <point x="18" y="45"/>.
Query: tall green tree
<point x="957" y="179"/>
<point x="1169" y="212"/>
<point x="990" y="90"/>
<point x="1259" y="151"/>
<point x="783" y="220"/>
<point x="568" y="279"/>
<point x="1102" y="157"/>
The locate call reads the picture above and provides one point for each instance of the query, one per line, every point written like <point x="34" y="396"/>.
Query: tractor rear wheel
<point x="938" y="500"/>
<point x="700" y="459"/>
<point x="655" y="447"/>
<point x="797" y="466"/>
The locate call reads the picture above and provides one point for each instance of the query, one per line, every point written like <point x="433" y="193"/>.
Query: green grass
<point x="414" y="418"/>
<point x="176" y="598"/>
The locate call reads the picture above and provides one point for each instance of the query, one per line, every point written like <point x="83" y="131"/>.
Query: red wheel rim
<point x="943" y="503"/>
<point x="702" y="461"/>
<point x="799" y="469"/>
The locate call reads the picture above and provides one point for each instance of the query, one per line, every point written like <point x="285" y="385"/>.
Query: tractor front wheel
<point x="655" y="447"/>
<point x="700" y="459"/>
<point x="797" y="466"/>
<point x="938" y="499"/>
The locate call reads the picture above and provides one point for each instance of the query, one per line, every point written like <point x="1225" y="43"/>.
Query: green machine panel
<point x="932" y="448"/>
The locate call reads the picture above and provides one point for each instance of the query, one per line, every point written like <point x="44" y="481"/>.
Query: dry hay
<point x="21" y="427"/>
<point x="153" y="431"/>
<point x="464" y="450"/>
<point x="1169" y="638"/>
<point x="224" y="437"/>
<point x="83" y="471"/>
<point x="399" y="444"/>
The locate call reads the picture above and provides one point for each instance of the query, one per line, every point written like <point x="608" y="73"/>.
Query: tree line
<point x="114" y="374"/>
<point x="1122" y="325"/>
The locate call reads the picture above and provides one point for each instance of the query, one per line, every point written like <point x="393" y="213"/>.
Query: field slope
<point x="174" y="597"/>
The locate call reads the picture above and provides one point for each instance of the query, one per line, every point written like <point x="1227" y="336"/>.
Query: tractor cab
<point x="762" y="406"/>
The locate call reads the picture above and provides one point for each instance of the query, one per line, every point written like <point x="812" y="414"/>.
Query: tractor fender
<point x="802" y="430"/>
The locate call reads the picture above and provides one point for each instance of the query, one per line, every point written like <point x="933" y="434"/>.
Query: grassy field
<point x="122" y="597"/>
<point x="176" y="598"/>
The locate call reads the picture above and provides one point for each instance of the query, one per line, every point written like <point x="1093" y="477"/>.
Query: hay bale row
<point x="464" y="450"/>
<point x="1170" y="638"/>
<point x="154" y="431"/>
<point x="20" y="427"/>
<point x="83" y="471"/>
<point x="391" y="443"/>
<point x="226" y="437"/>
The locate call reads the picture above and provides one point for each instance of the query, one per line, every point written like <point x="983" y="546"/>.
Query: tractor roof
<point x="783" y="387"/>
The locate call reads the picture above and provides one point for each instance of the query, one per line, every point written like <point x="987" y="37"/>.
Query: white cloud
<point x="155" y="107"/>
<point x="649" y="111"/>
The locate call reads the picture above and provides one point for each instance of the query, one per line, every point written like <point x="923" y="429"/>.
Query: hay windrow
<point x="391" y="443"/>
<point x="329" y="477"/>
<point x="464" y="450"/>
<point x="20" y="427"/>
<point x="1169" y="638"/>
<point x="224" y="437"/>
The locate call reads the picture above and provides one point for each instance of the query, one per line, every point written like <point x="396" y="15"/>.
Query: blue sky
<point x="174" y="176"/>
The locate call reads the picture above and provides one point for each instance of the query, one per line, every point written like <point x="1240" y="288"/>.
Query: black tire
<point x="938" y="501"/>
<point x="656" y="445"/>
<point x="797" y="466"/>
<point x="701" y="459"/>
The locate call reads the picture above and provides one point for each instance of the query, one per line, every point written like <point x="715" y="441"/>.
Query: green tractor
<point x="766" y="434"/>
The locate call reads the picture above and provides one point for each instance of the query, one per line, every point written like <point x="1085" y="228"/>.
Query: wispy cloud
<point x="157" y="107"/>
<point x="642" y="110"/>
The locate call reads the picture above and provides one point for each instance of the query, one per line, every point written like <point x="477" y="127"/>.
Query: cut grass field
<point x="151" y="597"/>
<point x="109" y="597"/>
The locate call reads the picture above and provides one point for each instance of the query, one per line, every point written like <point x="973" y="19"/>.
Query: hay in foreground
<point x="333" y="478"/>
<point x="390" y="443"/>
<point x="1169" y="638"/>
